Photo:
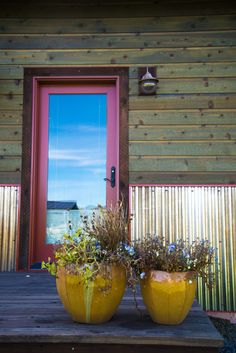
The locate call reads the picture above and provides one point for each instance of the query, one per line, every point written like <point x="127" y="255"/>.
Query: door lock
<point x="112" y="179"/>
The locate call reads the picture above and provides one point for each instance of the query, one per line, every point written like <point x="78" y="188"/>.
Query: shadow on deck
<point x="32" y="319"/>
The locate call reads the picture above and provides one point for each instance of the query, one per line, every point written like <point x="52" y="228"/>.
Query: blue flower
<point x="211" y="250"/>
<point x="171" y="247"/>
<point x="98" y="245"/>
<point x="142" y="275"/>
<point x="130" y="249"/>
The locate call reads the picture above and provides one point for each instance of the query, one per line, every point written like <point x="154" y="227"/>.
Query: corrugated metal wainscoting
<point x="207" y="212"/>
<point x="9" y="201"/>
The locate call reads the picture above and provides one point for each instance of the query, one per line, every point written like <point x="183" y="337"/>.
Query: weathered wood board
<point x="41" y="321"/>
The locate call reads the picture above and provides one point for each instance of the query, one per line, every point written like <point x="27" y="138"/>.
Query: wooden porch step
<point x="32" y="319"/>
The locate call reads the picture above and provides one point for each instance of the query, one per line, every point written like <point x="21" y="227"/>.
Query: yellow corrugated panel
<point x="192" y="212"/>
<point x="9" y="200"/>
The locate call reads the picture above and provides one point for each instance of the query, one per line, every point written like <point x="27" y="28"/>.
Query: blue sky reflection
<point x="77" y="148"/>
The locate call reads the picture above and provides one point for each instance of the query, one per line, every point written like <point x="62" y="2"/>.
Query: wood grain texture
<point x="183" y="178"/>
<point x="10" y="117"/>
<point x="183" y="117"/>
<point x="11" y="86"/>
<point x="10" y="101"/>
<point x="182" y="148"/>
<point x="10" y="164"/>
<point x="183" y="70"/>
<point x="10" y="177"/>
<point x="182" y="133"/>
<point x="119" y="56"/>
<point x="10" y="148"/>
<point x="119" y="40"/>
<point x="181" y="164"/>
<point x="11" y="72"/>
<point x="115" y="25"/>
<point x="10" y="132"/>
<point x="31" y="323"/>
<point x="183" y="101"/>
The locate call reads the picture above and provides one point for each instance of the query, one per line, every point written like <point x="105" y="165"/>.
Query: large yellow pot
<point x="168" y="296"/>
<point x="97" y="302"/>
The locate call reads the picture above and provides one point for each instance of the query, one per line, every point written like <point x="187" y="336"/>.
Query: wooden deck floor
<point x="32" y="319"/>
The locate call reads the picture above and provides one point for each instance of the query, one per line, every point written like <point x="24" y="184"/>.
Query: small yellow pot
<point x="97" y="302"/>
<point x="168" y="296"/>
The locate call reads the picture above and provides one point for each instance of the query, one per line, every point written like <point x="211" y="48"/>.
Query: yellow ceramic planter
<point x="95" y="303"/>
<point x="168" y="296"/>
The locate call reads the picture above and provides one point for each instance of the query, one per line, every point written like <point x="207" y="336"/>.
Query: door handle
<point x="112" y="179"/>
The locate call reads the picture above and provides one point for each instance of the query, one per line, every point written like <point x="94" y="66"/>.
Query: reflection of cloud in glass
<point x="72" y="128"/>
<point x="77" y="158"/>
<point x="70" y="153"/>
<point x="96" y="129"/>
<point x="97" y="170"/>
<point x="72" y="184"/>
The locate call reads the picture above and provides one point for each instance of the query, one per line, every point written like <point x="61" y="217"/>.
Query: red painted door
<point x="77" y="148"/>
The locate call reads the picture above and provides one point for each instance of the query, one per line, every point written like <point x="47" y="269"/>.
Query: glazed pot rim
<point x="189" y="271"/>
<point x="170" y="276"/>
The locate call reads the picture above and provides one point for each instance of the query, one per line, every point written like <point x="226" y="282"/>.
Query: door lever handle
<point x="112" y="179"/>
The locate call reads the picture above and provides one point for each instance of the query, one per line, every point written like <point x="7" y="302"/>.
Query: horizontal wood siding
<point x="184" y="134"/>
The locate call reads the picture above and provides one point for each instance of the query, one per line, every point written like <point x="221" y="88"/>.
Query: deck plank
<point x="32" y="315"/>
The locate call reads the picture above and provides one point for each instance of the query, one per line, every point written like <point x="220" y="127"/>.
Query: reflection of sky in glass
<point x="77" y="148"/>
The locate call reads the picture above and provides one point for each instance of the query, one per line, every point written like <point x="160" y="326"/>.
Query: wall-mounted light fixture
<point x="148" y="81"/>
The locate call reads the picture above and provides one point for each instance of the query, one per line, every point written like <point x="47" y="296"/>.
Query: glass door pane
<point x="77" y="136"/>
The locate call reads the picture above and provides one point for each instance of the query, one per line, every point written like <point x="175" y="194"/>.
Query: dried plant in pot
<point x="90" y="266"/>
<point x="168" y="275"/>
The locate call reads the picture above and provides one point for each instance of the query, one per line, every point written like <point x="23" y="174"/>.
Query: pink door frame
<point x="41" y="88"/>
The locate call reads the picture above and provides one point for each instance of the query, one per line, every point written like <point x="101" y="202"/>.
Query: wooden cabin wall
<point x="187" y="132"/>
